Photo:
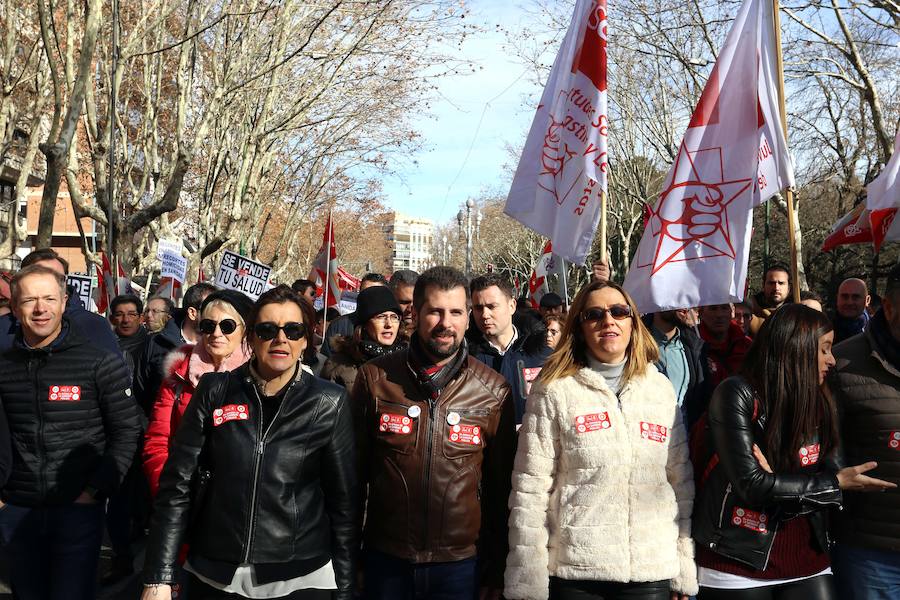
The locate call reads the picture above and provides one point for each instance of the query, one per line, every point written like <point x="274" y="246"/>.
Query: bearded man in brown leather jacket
<point x="436" y="434"/>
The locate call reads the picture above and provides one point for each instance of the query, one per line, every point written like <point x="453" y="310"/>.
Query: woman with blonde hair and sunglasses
<point x="602" y="485"/>
<point x="221" y="347"/>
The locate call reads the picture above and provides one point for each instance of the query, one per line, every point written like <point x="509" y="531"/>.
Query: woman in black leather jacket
<point x="260" y="480"/>
<point x="760" y="520"/>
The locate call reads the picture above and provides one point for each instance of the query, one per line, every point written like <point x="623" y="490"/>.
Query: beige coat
<point x="610" y="503"/>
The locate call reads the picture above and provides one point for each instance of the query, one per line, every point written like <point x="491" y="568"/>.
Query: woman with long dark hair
<point x="774" y="470"/>
<point x="276" y="516"/>
<point x="602" y="485"/>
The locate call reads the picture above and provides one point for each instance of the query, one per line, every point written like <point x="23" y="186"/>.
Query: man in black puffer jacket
<point x="75" y="428"/>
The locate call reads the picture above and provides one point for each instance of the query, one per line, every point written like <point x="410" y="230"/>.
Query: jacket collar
<point x="68" y="337"/>
<point x="588" y="377"/>
<point x="877" y="333"/>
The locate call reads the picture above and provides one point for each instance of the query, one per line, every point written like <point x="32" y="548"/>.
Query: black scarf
<point x="886" y="344"/>
<point x="370" y="349"/>
<point x="433" y="379"/>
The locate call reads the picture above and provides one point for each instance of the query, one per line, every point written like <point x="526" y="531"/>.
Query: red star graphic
<point x="693" y="213"/>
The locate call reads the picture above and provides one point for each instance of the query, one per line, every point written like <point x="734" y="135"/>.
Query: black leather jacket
<point x="739" y="508"/>
<point x="283" y="495"/>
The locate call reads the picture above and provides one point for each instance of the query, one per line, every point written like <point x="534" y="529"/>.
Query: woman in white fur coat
<point x="602" y="485"/>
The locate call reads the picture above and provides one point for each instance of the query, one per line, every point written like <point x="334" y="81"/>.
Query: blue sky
<point x="444" y="177"/>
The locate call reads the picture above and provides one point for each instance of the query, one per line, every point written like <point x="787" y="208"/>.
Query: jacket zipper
<point x="260" y="449"/>
<point x="432" y="407"/>
<point x="724" y="502"/>
<point x="40" y="428"/>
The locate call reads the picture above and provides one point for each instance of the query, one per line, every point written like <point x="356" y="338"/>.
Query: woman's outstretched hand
<point x="852" y="479"/>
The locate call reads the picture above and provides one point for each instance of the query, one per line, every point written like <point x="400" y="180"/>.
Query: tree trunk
<point x="57" y="151"/>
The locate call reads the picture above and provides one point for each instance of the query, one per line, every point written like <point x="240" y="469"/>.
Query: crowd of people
<point x="446" y="440"/>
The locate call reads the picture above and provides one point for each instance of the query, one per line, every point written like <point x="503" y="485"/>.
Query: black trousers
<point x="814" y="588"/>
<point x="198" y="590"/>
<point x="566" y="589"/>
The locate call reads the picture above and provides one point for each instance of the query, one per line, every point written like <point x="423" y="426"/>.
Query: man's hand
<point x="677" y="596"/>
<point x="157" y="592"/>
<point x="600" y="270"/>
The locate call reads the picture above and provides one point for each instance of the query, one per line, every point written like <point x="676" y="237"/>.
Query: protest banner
<point x="168" y="246"/>
<point x="239" y="273"/>
<point x="82" y="285"/>
<point x="174" y="265"/>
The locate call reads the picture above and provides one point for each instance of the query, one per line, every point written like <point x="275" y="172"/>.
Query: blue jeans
<point x="52" y="551"/>
<point x="390" y="578"/>
<point x="866" y="574"/>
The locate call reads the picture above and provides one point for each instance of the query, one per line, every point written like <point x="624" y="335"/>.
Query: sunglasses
<point x="269" y="331"/>
<point x="617" y="311"/>
<point x="208" y="326"/>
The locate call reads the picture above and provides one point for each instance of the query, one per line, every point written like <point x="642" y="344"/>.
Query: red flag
<point x="347" y="281"/>
<point x="852" y="228"/>
<point x="106" y="285"/>
<point x="168" y="287"/>
<point x="325" y="270"/>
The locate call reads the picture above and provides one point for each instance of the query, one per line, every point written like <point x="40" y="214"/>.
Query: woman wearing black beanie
<point x="376" y="325"/>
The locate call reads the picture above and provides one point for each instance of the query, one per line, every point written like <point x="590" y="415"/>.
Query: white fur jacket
<point x="602" y="487"/>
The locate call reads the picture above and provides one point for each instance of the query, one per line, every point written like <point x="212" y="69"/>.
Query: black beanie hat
<point x="240" y="302"/>
<point x="374" y="301"/>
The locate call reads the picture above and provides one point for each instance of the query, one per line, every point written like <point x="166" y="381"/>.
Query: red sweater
<point x="794" y="554"/>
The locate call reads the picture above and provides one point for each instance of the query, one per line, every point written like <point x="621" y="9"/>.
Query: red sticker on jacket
<point x="809" y="455"/>
<point x="749" y="519"/>
<point x="529" y="375"/>
<point x="64" y="393"/>
<point x="653" y="432"/>
<point x="894" y="440"/>
<point x="592" y="422"/>
<point x="230" y="412"/>
<point x="395" y="423"/>
<point x="465" y="434"/>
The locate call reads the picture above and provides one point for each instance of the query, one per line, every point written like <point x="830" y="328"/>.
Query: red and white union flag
<point x="883" y="200"/>
<point x="537" y="283"/>
<point x="556" y="189"/>
<point x="733" y="157"/>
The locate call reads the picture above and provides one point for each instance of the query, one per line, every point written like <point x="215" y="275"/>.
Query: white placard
<point x="170" y="246"/>
<point x="174" y="266"/>
<point x="239" y="273"/>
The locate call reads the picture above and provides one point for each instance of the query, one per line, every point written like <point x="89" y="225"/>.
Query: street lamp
<point x="468" y="229"/>
<point x="447" y="250"/>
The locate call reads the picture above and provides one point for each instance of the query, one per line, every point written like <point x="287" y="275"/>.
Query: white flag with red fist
<point x="733" y="157"/>
<point x="883" y="200"/>
<point x="556" y="189"/>
<point x="325" y="271"/>
<point x="537" y="283"/>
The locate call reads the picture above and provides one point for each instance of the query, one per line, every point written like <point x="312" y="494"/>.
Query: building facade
<point x="411" y="242"/>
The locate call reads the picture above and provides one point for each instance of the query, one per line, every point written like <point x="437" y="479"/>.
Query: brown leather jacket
<point x="433" y="492"/>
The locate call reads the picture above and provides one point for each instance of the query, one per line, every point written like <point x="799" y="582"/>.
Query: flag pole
<point x="603" y="204"/>
<point x="563" y="282"/>
<point x="327" y="283"/>
<point x="789" y="192"/>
